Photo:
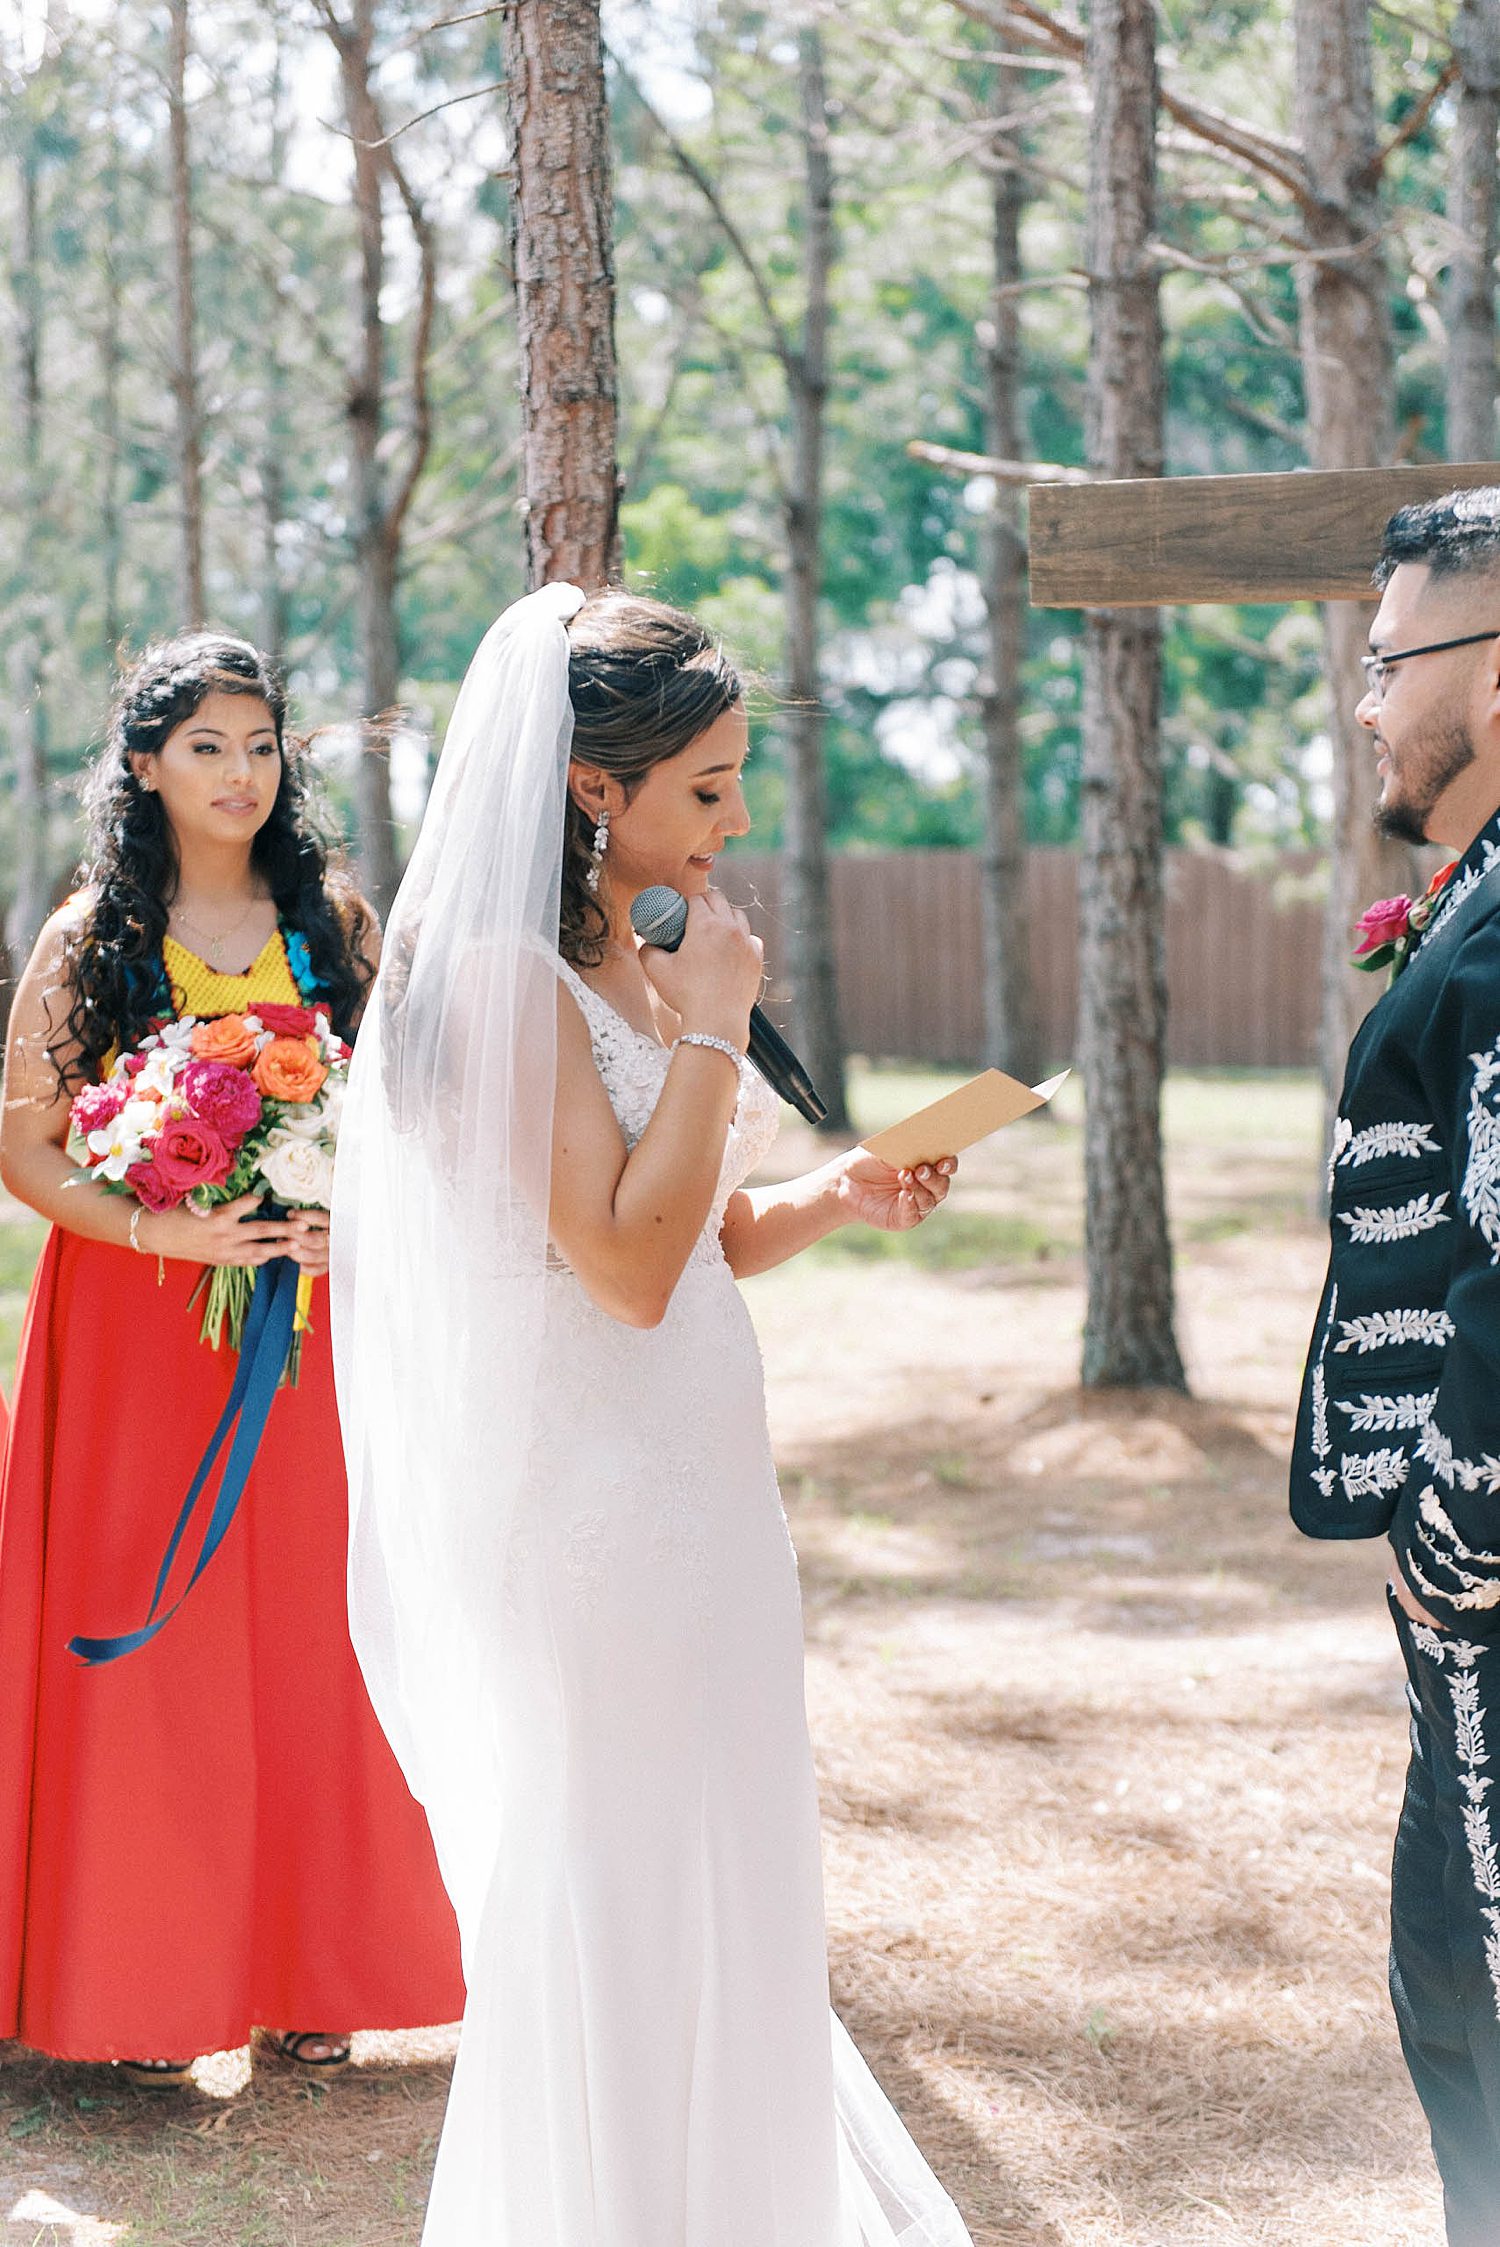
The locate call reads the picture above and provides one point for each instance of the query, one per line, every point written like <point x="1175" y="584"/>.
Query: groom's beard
<point x="1428" y="765"/>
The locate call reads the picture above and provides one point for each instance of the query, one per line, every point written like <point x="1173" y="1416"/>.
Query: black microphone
<point x="659" y="917"/>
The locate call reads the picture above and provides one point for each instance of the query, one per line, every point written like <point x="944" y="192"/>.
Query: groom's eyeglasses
<point x="1378" y="668"/>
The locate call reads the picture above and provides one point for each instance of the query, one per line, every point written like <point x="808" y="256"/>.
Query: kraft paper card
<point x="960" y="1119"/>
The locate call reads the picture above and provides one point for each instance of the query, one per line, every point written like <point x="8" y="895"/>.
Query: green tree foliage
<point x="703" y="409"/>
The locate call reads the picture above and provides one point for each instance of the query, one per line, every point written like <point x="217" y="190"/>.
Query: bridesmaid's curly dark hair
<point x="644" y="681"/>
<point x="113" y="955"/>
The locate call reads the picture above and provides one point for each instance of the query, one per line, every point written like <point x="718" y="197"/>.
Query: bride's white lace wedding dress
<point x="660" y="2067"/>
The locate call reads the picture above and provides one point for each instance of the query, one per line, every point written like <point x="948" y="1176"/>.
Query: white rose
<point x="298" y="1170"/>
<point x="317" y="1119"/>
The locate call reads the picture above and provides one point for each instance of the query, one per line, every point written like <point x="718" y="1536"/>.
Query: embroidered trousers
<point x="1445" y="1918"/>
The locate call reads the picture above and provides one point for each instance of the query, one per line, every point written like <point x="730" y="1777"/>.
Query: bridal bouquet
<point x="201" y="1112"/>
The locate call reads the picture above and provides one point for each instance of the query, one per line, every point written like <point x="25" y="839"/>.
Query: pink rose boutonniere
<point x="1388" y="929"/>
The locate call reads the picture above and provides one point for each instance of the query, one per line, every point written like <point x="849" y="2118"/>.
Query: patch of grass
<point x="951" y="1241"/>
<point x="1258" y="1111"/>
<point x="21" y="1241"/>
<point x="1223" y="1225"/>
<point x="20" y="1246"/>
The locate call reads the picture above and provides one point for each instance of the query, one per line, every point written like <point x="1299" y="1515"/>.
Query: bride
<point x="572" y="1587"/>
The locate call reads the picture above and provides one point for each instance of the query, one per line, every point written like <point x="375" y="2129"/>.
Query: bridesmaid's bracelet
<point x="715" y="1045"/>
<point x="136" y="1215"/>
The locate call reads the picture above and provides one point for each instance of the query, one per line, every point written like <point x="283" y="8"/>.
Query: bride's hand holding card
<point x="960" y="1119"/>
<point x="901" y="1175"/>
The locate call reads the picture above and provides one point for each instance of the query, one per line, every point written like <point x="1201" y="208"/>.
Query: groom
<point x="1399" y="1426"/>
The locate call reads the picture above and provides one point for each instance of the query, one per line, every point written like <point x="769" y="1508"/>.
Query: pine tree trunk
<point x="562" y="221"/>
<point x="185" y="363"/>
<point x="809" y="913"/>
<point x="1010" y="1031"/>
<point x="27" y="652"/>
<point x="1129" y="1335"/>
<point x="1346" y="365"/>
<point x="374" y="563"/>
<point x="1469" y="309"/>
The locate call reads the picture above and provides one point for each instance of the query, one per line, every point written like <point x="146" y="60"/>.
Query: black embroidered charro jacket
<point x="1399" y="1423"/>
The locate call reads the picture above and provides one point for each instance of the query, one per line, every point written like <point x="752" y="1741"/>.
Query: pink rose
<point x="190" y="1154"/>
<point x="150" y="1188"/>
<point x="97" y="1106"/>
<point x="1382" y="923"/>
<point x="221" y="1097"/>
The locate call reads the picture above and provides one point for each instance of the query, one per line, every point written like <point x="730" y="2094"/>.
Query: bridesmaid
<point x="211" y="1833"/>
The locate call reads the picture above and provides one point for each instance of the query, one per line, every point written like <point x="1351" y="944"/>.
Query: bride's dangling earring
<point x="596" y="857"/>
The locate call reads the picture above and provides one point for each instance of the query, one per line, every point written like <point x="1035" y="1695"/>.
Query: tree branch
<point x="475" y="93"/>
<point x="781" y="339"/>
<point x="955" y="463"/>
<point x="421" y="397"/>
<point x="1415" y="118"/>
<point x="1266" y="153"/>
<point x="423" y="31"/>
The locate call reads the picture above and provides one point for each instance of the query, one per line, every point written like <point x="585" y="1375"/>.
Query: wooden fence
<point x="1243" y="948"/>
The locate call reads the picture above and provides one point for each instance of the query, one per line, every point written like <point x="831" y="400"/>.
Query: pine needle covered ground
<point x="1110" y="1761"/>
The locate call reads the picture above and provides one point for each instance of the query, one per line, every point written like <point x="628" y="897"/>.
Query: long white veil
<point x="440" y="1230"/>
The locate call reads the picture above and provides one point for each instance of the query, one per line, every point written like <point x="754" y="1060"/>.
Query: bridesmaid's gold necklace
<point x="209" y="936"/>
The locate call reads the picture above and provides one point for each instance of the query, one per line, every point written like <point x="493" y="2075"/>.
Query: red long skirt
<point x="210" y="1833"/>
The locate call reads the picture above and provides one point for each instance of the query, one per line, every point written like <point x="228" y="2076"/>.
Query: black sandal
<point x="156" y="2075"/>
<point x="291" y="2047"/>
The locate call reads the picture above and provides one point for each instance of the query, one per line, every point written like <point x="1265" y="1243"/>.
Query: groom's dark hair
<point x="1457" y="535"/>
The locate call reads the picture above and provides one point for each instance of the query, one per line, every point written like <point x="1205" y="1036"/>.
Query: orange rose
<point x="225" y="1039"/>
<point x="289" y="1069"/>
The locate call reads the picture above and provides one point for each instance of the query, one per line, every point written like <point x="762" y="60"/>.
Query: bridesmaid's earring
<point x="596" y="856"/>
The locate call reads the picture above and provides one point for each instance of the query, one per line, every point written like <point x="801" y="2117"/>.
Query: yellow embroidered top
<point x="200" y="989"/>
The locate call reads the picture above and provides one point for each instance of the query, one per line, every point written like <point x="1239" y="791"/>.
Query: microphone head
<point x="659" y="917"/>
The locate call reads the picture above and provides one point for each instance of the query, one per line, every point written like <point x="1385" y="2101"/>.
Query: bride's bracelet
<point x="715" y="1045"/>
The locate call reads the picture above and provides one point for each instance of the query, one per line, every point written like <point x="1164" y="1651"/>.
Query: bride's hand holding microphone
<point x="711" y="976"/>
<point x="714" y="977"/>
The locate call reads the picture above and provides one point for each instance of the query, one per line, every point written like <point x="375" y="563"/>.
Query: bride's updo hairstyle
<point x="113" y="955"/>
<point x="644" y="680"/>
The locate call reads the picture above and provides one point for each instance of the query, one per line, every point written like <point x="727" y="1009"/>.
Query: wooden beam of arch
<point x="1312" y="535"/>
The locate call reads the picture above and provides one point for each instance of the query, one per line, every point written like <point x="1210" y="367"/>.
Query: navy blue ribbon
<point x="263" y="1355"/>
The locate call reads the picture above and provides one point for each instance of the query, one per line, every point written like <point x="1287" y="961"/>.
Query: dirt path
<point x="1110" y="1762"/>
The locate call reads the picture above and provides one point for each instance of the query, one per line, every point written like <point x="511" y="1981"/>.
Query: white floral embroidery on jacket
<point x="1377" y="1141"/>
<point x="1382" y="1415"/>
<point x="1435" y="1450"/>
<point x="1372" y="1474"/>
<point x="1480" y="1191"/>
<point x="1379" y="1226"/>
<point x="1462" y="886"/>
<point x="1383" y="1330"/>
